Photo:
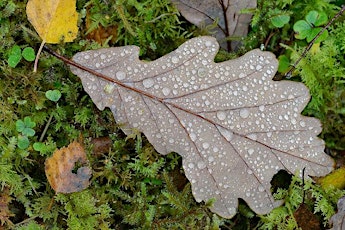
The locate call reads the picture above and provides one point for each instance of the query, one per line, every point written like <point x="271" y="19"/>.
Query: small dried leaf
<point x="101" y="145"/>
<point x="59" y="168"/>
<point x="338" y="219"/>
<point x="233" y="126"/>
<point x="306" y="219"/>
<point x="5" y="213"/>
<point x="54" y="20"/>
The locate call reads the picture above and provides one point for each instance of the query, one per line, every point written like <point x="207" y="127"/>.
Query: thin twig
<point x="269" y="38"/>
<point x="46" y="127"/>
<point x="159" y="17"/>
<point x="288" y="74"/>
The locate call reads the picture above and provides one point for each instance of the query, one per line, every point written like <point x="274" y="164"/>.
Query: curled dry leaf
<point x="230" y="21"/>
<point x="338" y="219"/>
<point x="5" y="212"/>
<point x="306" y="219"/>
<point x="59" y="168"/>
<point x="233" y="126"/>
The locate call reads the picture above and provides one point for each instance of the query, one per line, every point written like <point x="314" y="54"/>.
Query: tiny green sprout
<point x="279" y="21"/>
<point x="53" y="95"/>
<point x="152" y="181"/>
<point x="284" y="63"/>
<point x="23" y="142"/>
<point x="308" y="28"/>
<point x="29" y="54"/>
<point x="25" y="127"/>
<point x="15" y="56"/>
<point x="39" y="146"/>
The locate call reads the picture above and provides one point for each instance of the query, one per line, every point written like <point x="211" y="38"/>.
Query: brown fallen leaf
<point x="232" y="124"/>
<point x="338" y="219"/>
<point x="5" y="213"/>
<point x="306" y="219"/>
<point x="60" y="165"/>
<point x="101" y="145"/>
<point x="230" y="21"/>
<point x="100" y="34"/>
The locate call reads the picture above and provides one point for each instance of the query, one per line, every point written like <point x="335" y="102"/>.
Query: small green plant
<point x="321" y="201"/>
<point x="53" y="95"/>
<point x="133" y="187"/>
<point x="151" y="25"/>
<point x="25" y="127"/>
<point x="16" y="55"/>
<point x="279" y="18"/>
<point x="310" y="27"/>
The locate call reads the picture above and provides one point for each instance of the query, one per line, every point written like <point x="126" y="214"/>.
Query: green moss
<point x="323" y="73"/>
<point x="133" y="187"/>
<point x="322" y="202"/>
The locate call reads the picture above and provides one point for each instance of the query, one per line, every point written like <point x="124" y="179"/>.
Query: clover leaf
<point x="23" y="142"/>
<point x="279" y="21"/>
<point x="307" y="29"/>
<point x="16" y="55"/>
<point x="53" y="95"/>
<point x="25" y="127"/>
<point x="29" y="54"/>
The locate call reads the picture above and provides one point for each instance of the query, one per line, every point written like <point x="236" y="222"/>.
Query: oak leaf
<point x="54" y="20"/>
<point x="59" y="169"/>
<point x="227" y="14"/>
<point x="233" y="126"/>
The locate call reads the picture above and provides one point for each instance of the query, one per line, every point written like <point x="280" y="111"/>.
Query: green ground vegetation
<point x="132" y="186"/>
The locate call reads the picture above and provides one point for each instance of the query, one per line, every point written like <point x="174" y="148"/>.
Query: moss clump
<point x="132" y="186"/>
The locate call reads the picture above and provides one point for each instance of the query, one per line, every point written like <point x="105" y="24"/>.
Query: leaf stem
<point x="38" y="55"/>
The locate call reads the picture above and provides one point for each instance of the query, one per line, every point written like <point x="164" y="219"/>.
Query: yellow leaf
<point x="335" y="179"/>
<point x="54" y="20"/>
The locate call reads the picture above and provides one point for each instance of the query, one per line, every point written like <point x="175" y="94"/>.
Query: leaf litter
<point x="230" y="22"/>
<point x="338" y="219"/>
<point x="233" y="126"/>
<point x="60" y="166"/>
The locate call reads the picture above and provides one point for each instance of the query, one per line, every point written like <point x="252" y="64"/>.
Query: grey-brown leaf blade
<point x="227" y="15"/>
<point x="217" y="170"/>
<point x="233" y="126"/>
<point x="338" y="219"/>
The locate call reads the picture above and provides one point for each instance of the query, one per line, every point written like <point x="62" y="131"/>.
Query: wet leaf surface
<point x="60" y="168"/>
<point x="233" y="126"/>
